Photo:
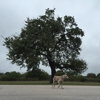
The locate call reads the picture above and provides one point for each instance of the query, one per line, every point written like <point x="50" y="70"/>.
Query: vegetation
<point x="47" y="83"/>
<point x="37" y="75"/>
<point x="52" y="40"/>
<point x="44" y="77"/>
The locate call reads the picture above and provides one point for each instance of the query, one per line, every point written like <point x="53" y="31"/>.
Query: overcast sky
<point x="13" y="14"/>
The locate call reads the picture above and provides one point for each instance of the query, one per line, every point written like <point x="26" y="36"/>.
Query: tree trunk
<point x="53" y="71"/>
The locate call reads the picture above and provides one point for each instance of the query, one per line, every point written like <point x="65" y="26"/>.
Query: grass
<point x="47" y="83"/>
<point x="24" y="83"/>
<point x="83" y="83"/>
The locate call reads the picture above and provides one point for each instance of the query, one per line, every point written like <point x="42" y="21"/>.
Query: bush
<point x="59" y="73"/>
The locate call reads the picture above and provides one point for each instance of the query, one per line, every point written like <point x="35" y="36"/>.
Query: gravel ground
<point x="45" y="92"/>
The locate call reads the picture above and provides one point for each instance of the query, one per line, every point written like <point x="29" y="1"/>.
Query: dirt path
<point x="45" y="92"/>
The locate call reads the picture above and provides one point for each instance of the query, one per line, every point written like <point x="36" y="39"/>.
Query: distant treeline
<point x="41" y="75"/>
<point x="34" y="75"/>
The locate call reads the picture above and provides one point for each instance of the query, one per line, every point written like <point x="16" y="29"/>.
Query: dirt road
<point x="45" y="92"/>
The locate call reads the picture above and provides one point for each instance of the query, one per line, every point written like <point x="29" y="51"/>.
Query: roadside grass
<point x="47" y="83"/>
<point x="83" y="83"/>
<point x="24" y="83"/>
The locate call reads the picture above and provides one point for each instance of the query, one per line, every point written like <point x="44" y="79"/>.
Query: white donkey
<point x="59" y="80"/>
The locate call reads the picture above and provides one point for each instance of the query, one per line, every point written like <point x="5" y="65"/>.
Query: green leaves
<point x="47" y="39"/>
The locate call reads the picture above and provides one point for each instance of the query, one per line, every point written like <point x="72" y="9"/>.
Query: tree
<point x="59" y="73"/>
<point x="54" y="41"/>
<point x="91" y="75"/>
<point x="98" y="76"/>
<point x="37" y="74"/>
<point x="11" y="76"/>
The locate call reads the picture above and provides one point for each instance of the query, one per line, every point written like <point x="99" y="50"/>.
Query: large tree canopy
<point x="50" y="39"/>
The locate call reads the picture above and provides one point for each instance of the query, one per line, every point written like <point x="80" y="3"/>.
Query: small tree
<point x="37" y="74"/>
<point x="60" y="72"/>
<point x="91" y="75"/>
<point x="54" y="41"/>
<point x="98" y="76"/>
